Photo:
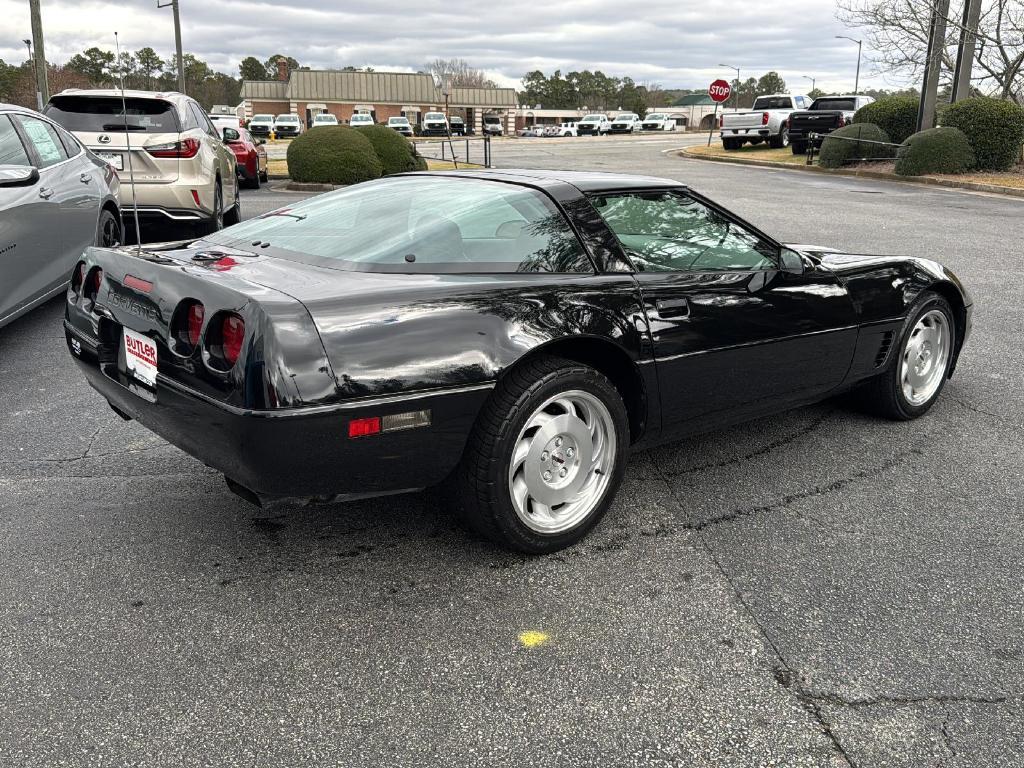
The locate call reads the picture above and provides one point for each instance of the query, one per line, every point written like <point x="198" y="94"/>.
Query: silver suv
<point x="182" y="169"/>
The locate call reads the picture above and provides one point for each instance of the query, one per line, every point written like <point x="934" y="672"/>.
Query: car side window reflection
<point x="11" y="150"/>
<point x="672" y="232"/>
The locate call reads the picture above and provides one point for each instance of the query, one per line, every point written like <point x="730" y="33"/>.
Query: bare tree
<point x="457" y="73"/>
<point x="897" y="37"/>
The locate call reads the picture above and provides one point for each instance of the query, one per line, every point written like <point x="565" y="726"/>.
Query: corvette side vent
<point x="883" y="349"/>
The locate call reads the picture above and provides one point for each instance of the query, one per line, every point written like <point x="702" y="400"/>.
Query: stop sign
<point x="719" y="91"/>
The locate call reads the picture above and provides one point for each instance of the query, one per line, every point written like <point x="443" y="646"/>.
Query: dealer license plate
<point x="116" y="159"/>
<point x="140" y="357"/>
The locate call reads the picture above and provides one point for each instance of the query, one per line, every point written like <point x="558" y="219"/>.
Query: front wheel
<point x="545" y="458"/>
<point x="924" y="354"/>
<point x="781" y="139"/>
<point x="108" y="230"/>
<point x="799" y="147"/>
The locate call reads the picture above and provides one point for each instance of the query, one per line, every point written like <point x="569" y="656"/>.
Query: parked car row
<point x="785" y="119"/>
<point x="598" y="124"/>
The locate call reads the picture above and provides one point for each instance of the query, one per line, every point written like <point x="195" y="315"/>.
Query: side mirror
<point x="230" y="134"/>
<point x="18" y="175"/>
<point x="792" y="262"/>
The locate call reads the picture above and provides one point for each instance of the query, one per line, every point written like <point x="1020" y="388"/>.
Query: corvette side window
<point x="670" y="232"/>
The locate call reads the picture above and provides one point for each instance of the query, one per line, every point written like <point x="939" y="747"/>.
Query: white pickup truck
<point x="767" y="120"/>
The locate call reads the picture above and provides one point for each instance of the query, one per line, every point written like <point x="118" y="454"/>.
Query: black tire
<point x="781" y="139"/>
<point x="254" y="182"/>
<point x="108" y="230"/>
<point x="233" y="215"/>
<point x="883" y="395"/>
<point x="265" y="176"/>
<point x="730" y="144"/>
<point x="798" y="147"/>
<point x="486" y="506"/>
<point x="216" y="221"/>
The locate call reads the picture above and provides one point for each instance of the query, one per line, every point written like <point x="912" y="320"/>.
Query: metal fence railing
<point x="816" y="140"/>
<point x="467" y="150"/>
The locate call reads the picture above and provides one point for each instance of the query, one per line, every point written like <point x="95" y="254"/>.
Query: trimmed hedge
<point x="395" y="152"/>
<point x="333" y="154"/>
<point x="937" y="150"/>
<point x="896" y="115"/>
<point x="994" y="128"/>
<point x="835" y="154"/>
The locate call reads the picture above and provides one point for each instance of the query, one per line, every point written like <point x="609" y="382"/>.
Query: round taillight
<point x="78" y="277"/>
<point x="232" y="331"/>
<point x="97" y="280"/>
<point x="196" y="313"/>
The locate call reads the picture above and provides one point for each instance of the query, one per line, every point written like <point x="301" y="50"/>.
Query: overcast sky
<point x="676" y="43"/>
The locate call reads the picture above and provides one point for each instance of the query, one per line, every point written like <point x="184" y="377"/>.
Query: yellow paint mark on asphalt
<point x="533" y="638"/>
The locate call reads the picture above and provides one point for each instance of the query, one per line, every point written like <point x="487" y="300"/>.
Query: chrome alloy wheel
<point x="925" y="357"/>
<point x="562" y="462"/>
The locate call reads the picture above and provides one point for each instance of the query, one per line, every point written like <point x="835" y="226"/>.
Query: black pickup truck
<point x="825" y="115"/>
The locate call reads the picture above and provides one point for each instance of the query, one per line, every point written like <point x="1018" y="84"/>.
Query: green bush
<point x="994" y="128"/>
<point x="896" y="115"/>
<point x="835" y="153"/>
<point x="395" y="152"/>
<point x="937" y="150"/>
<point x="333" y="154"/>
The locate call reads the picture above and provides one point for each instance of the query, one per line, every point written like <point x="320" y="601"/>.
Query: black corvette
<point x="515" y="333"/>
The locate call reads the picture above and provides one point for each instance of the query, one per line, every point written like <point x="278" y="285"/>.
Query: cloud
<point x="677" y="43"/>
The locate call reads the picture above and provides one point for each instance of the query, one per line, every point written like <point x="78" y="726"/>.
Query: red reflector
<point x="195" y="196"/>
<point x="130" y="281"/>
<point x="364" y="427"/>
<point x="195" y="323"/>
<point x="232" y="331"/>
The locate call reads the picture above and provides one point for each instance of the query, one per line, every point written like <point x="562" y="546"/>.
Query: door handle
<point x="85" y="178"/>
<point x="672" y="307"/>
<point x="45" y="192"/>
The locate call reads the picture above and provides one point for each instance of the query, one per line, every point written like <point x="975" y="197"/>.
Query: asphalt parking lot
<point x="816" y="589"/>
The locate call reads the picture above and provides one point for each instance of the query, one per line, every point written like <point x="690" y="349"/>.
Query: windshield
<point x="844" y="105"/>
<point x="491" y="119"/>
<point x="287" y="119"/>
<point x="593" y="119"/>
<point x="398" y="121"/>
<point x="105" y="113"/>
<point x="262" y="119"/>
<point x="655" y="117"/>
<point x="434" y="116"/>
<point x="773" y="102"/>
<point x="420" y="224"/>
<point x="361" y="119"/>
<point x="325" y="119"/>
<point x="624" y="118"/>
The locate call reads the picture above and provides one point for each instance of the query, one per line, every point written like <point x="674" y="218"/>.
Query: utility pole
<point x="177" y="41"/>
<point x="933" y="66"/>
<point x="965" y="51"/>
<point x="736" y="90"/>
<point x="42" y="88"/>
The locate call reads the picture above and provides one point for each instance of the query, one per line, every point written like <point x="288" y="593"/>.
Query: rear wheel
<point x="781" y="139"/>
<point x="216" y="222"/>
<point x="545" y="457"/>
<point x="914" y="380"/>
<point x="108" y="230"/>
<point x="234" y="214"/>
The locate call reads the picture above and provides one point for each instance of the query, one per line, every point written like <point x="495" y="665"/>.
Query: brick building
<point x="308" y="92"/>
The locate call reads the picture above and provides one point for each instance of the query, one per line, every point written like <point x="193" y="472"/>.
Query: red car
<point x="252" y="159"/>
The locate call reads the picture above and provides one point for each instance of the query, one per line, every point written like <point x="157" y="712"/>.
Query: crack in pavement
<point x="811" y="706"/>
<point x="896" y="701"/>
<point x="818" y="490"/>
<point x="781" y="442"/>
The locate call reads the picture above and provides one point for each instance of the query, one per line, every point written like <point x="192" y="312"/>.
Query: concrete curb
<point x="301" y="186"/>
<point x="865" y="174"/>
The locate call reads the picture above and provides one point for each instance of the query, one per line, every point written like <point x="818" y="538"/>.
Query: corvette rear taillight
<point x="196" y="312"/>
<point x="183" y="148"/>
<point x="764" y="118"/>
<point x="97" y="280"/>
<point x="78" y="277"/>
<point x="232" y="331"/>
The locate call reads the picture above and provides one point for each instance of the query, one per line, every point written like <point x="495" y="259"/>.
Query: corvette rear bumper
<point x="295" y="454"/>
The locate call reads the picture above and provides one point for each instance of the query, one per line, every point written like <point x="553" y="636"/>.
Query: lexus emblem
<point x="103" y="139"/>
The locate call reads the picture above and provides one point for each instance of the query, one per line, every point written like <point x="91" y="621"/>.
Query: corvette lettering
<point x="130" y="304"/>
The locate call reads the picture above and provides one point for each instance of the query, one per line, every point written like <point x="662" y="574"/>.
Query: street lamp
<point x="808" y="77"/>
<point x="39" y="94"/>
<point x="177" y="40"/>
<point x="737" y="82"/>
<point x="856" y="82"/>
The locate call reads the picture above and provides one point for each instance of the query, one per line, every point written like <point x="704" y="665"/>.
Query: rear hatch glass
<point x="844" y="105"/>
<point x="104" y="114"/>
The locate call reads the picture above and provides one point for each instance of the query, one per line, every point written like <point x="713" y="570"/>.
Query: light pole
<point x="856" y="82"/>
<point x="39" y="95"/>
<point x="177" y="40"/>
<point x="42" y="88"/>
<point x="737" y="89"/>
<point x="813" y="81"/>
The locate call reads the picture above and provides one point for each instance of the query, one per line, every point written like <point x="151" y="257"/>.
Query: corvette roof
<point x="585" y="181"/>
